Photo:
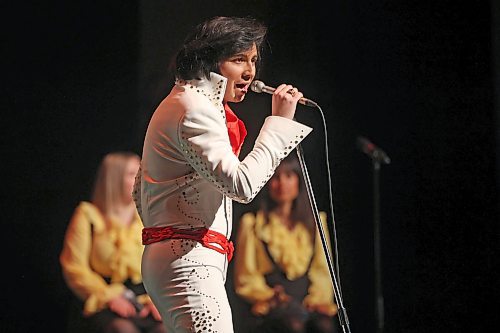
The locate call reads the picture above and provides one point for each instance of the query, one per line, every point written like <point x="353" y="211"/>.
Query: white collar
<point x="214" y="88"/>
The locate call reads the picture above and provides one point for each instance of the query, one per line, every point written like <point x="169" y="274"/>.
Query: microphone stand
<point x="378" y="157"/>
<point x="379" y="298"/>
<point x="343" y="319"/>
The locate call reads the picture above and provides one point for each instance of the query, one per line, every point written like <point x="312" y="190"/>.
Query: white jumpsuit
<point x="188" y="178"/>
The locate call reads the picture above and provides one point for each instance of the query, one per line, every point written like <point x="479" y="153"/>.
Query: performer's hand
<point x="285" y="99"/>
<point x="122" y="307"/>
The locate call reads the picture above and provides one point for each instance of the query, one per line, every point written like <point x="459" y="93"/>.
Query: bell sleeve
<point x="205" y="144"/>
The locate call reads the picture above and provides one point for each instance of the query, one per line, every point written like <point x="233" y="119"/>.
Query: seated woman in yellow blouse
<point x="101" y="255"/>
<point x="280" y="267"/>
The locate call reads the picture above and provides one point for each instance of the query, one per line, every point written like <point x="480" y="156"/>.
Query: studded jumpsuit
<point x="188" y="178"/>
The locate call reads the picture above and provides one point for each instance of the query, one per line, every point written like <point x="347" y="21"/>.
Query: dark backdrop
<point x="419" y="78"/>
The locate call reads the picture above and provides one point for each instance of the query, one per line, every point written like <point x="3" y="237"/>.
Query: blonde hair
<point x="108" y="186"/>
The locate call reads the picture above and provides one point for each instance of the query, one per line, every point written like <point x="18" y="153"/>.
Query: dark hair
<point x="301" y="208"/>
<point x="215" y="40"/>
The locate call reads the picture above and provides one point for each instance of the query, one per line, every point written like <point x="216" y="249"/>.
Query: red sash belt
<point x="204" y="236"/>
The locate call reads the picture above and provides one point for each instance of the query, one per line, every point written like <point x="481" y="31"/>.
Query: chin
<point x="238" y="99"/>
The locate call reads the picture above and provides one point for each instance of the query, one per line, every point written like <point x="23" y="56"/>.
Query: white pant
<point x="186" y="283"/>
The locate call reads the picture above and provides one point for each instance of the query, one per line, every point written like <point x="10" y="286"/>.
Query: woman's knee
<point x="321" y="324"/>
<point x="121" y="325"/>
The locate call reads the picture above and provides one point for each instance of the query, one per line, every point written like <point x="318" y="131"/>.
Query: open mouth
<point x="242" y="86"/>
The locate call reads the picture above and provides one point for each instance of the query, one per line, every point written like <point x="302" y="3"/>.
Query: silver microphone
<point x="259" y="87"/>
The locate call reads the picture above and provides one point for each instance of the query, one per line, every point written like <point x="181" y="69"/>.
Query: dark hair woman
<point x="280" y="267"/>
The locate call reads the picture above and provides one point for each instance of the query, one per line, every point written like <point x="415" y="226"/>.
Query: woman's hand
<point x="280" y="296"/>
<point x="150" y="308"/>
<point x="326" y="309"/>
<point x="285" y="99"/>
<point x="262" y="308"/>
<point x="122" y="307"/>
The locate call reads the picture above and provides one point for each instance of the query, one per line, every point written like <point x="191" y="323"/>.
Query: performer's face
<point x="284" y="186"/>
<point x="239" y="71"/>
<point x="129" y="177"/>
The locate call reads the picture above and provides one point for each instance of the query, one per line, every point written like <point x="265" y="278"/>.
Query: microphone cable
<point x="342" y="312"/>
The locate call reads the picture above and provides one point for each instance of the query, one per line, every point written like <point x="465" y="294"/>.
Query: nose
<point x="249" y="72"/>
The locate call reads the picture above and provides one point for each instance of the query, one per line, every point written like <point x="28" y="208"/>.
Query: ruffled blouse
<point x="280" y="239"/>
<point x="293" y="251"/>
<point x="95" y="251"/>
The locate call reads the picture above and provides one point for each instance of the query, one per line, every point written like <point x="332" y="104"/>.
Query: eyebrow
<point x="244" y="55"/>
<point x="239" y="55"/>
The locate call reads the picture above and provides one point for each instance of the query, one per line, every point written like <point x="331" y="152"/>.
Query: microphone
<point x="371" y="150"/>
<point x="259" y="87"/>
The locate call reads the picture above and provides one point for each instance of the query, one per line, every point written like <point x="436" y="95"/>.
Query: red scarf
<point x="236" y="130"/>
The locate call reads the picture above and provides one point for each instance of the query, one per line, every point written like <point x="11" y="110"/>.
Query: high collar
<point x="214" y="88"/>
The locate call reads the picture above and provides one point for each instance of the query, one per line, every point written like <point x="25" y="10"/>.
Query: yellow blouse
<point x="292" y="250"/>
<point x="95" y="249"/>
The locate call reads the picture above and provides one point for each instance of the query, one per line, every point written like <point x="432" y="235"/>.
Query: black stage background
<point x="418" y="78"/>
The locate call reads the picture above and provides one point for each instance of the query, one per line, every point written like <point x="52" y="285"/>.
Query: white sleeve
<point x="205" y="144"/>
